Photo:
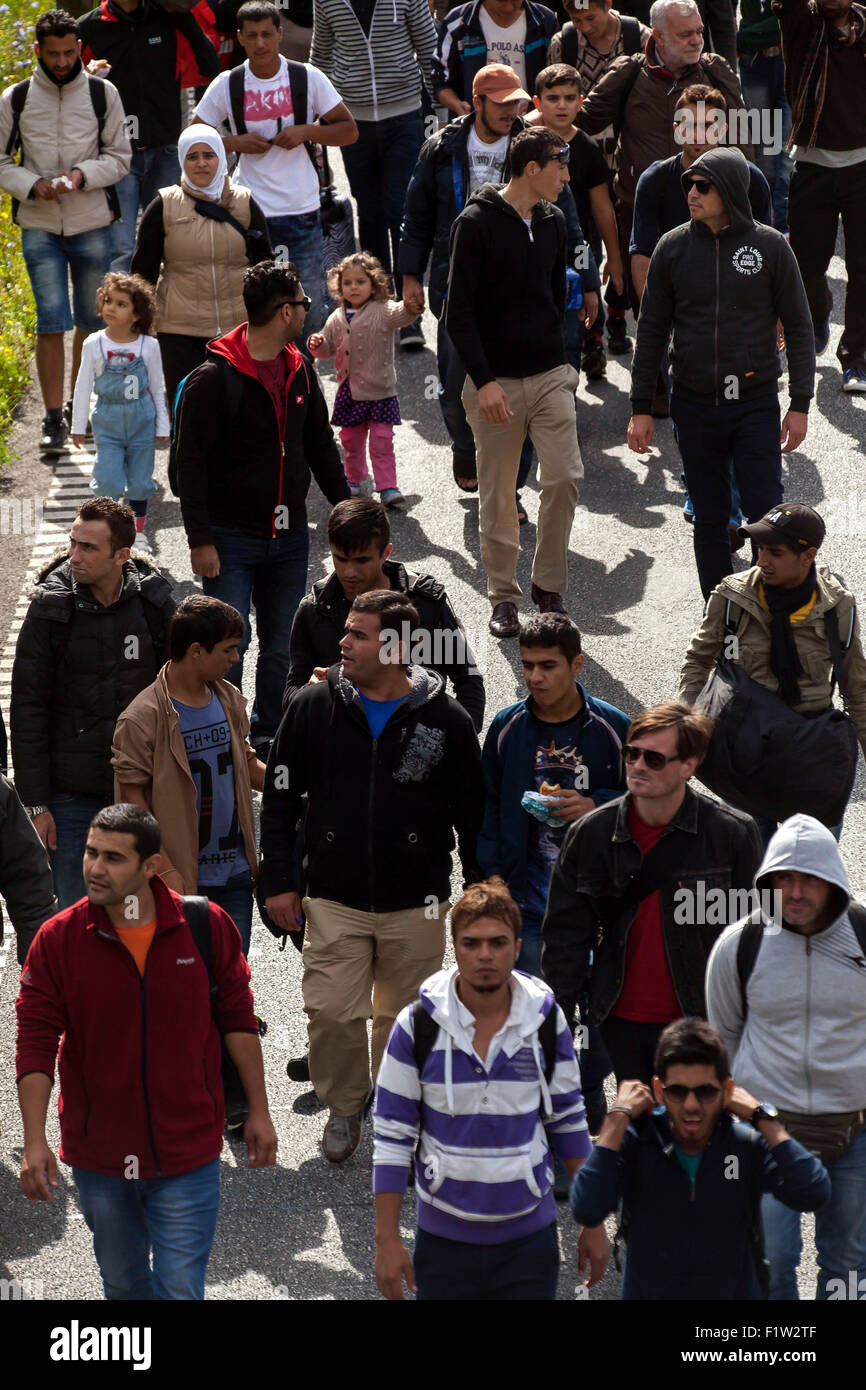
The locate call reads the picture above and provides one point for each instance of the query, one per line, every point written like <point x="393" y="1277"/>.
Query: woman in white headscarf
<point x="194" y="243"/>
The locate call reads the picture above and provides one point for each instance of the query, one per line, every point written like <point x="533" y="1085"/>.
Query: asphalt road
<point x="304" y="1229"/>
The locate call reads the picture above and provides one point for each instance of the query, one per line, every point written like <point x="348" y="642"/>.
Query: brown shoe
<point x="548" y="602"/>
<point x="342" y="1136"/>
<point x="504" y="621"/>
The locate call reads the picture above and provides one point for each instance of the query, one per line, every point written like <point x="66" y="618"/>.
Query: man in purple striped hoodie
<point x="481" y="1079"/>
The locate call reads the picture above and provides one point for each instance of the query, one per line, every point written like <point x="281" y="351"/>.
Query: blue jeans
<point x="840" y="1233"/>
<point x="272" y="576"/>
<point x="235" y="897"/>
<point x="72" y="816"/>
<point x="524" y="1269"/>
<point x="149" y="171"/>
<point x="174" y="1217"/>
<point x="763" y="82"/>
<point x="712" y="439"/>
<point x="379" y="166"/>
<point x="298" y="238"/>
<point x="452" y="375"/>
<point x="51" y="260"/>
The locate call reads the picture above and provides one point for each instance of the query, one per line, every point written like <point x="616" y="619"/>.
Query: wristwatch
<point x="34" y="811"/>
<point x="764" y="1111"/>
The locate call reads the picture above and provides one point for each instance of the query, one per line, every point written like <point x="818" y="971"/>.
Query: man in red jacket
<point x="119" y="976"/>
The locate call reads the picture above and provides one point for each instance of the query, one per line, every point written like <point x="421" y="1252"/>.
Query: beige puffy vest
<point x="203" y="264"/>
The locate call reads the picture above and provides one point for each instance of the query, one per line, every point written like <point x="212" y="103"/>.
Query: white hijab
<point x="203" y="135"/>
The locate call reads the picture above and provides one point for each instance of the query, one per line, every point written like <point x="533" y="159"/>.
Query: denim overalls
<point x="124" y="428"/>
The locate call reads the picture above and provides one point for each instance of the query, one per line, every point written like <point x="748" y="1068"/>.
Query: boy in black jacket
<point x="251" y="425"/>
<point x="690" y="1172"/>
<point x="391" y="767"/>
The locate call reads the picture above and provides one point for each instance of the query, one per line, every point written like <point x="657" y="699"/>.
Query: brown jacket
<point x="752" y="632"/>
<point x="200" y="288"/>
<point x="148" y="752"/>
<point x="636" y="95"/>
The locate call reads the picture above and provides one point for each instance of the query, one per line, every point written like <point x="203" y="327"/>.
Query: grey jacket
<point x="803" y="1043"/>
<point x="25" y="874"/>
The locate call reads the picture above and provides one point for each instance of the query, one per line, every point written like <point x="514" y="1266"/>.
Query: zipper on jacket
<point x="716" y="329"/>
<point x="370" y="809"/>
<point x="807" y="1023"/>
<point x="144" y="1065"/>
<point x="281" y="441"/>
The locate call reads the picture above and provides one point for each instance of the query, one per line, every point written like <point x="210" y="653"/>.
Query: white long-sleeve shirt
<point x="96" y="350"/>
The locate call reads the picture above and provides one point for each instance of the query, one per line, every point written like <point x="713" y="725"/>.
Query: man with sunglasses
<point x="243" y="483"/>
<point x="630" y="914"/>
<point x="688" y="1171"/>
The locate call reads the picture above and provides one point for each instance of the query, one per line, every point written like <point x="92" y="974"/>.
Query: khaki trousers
<point x="348" y="956"/>
<point x="543" y="407"/>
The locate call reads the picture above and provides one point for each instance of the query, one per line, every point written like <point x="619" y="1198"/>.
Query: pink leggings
<point x="354" y="442"/>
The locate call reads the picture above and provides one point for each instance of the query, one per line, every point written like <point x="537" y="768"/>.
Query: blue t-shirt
<point x="207" y="739"/>
<point x="691" y="1162"/>
<point x="660" y="202"/>
<point x="557" y="760"/>
<point x="378" y="712"/>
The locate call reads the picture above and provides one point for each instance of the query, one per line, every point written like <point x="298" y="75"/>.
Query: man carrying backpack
<point x="69" y="128"/>
<point x="787" y="991"/>
<point x="120" y="976"/>
<point x="479" y="1077"/>
<point x="776" y="621"/>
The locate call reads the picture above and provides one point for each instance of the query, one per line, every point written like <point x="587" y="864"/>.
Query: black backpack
<point x="752" y="935"/>
<point x="298" y="89"/>
<point x="630" y="40"/>
<point x="99" y="101"/>
<point x="427" y="1030"/>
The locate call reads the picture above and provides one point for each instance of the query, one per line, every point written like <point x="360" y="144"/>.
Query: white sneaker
<point x="142" y="543"/>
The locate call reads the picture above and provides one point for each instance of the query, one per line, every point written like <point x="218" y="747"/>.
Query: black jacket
<point x="77" y="666"/>
<point x="694" y="1240"/>
<point x="321" y="620"/>
<point x="719" y="848"/>
<point x="152" y="55"/>
<point x="25" y="873"/>
<point x="506" y="292"/>
<point x="462" y="50"/>
<point x="381" y="816"/>
<point x="437" y="194"/>
<point x="232" y="469"/>
<point x="722" y="296"/>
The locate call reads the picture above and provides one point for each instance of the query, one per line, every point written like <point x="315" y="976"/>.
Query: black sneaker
<point x="411" y="337"/>
<point x="298" y="1068"/>
<point x="54" y="434"/>
<point x="618" y="340"/>
<point x="237" y="1114"/>
<point x="594" y="362"/>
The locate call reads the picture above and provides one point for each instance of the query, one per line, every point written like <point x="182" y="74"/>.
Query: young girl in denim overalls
<point x="122" y="365"/>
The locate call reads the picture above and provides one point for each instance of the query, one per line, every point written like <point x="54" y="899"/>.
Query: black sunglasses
<point x="562" y="157"/>
<point x="705" y="1094"/>
<point x="702" y="185"/>
<point x="306" y="302"/>
<point x="654" y="761"/>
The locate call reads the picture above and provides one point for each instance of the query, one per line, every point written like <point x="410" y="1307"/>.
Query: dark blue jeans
<point x="149" y="171"/>
<point x="235" y="897"/>
<point x="524" y="1269"/>
<point x="72" y="815"/>
<point x="297" y="237"/>
<point x="763" y="83"/>
<point x="270" y="575"/>
<point x="452" y="375"/>
<point x="379" y="166"/>
<point x="714" y="439"/>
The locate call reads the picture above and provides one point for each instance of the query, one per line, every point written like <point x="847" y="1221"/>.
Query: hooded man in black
<point x="720" y="285"/>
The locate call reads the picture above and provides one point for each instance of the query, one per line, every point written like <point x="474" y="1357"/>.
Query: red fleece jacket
<point x="139" y="1057"/>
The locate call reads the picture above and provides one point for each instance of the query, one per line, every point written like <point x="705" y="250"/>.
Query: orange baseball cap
<point x="498" y="82"/>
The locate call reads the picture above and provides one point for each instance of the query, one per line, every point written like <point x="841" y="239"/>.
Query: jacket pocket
<point x="447" y="1173"/>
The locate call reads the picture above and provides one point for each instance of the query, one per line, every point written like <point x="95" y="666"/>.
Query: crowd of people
<point x="613" y="919"/>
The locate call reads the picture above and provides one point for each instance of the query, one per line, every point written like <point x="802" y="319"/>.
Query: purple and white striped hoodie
<point x="484" y="1130"/>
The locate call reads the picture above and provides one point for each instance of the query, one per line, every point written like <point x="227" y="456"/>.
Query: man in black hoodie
<point x="252" y="423"/>
<point x="505" y="315"/>
<point x="720" y="284"/>
<point x="392" y="767"/>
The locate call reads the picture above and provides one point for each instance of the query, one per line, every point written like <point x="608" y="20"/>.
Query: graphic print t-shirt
<point x="207" y="739"/>
<point x="283" y="182"/>
<point x="486" y="162"/>
<point x="557" y="760"/>
<point x="506" y="45"/>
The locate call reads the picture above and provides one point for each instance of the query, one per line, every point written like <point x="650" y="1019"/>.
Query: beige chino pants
<point x="348" y="957"/>
<point x="543" y="407"/>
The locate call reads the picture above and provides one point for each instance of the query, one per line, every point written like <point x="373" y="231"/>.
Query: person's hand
<point x="75" y="177"/>
<point x="292" y="136"/>
<point x="39" y="1172"/>
<point x="172" y="879"/>
<point x="251" y="144"/>
<point x="98" y="65"/>
<point x="614" y="273"/>
<point x="461" y="108"/>
<point x="589" y="311"/>
<point x="593" y="1254"/>
<point x="794" y="428"/>
<point x="46" y="829"/>
<point x="393" y="1265"/>
<point x="284" y="911"/>
<point x="319" y="674"/>
<point x="315" y="341"/>
<point x="414" y="302"/>
<point x="637" y="1096"/>
<point x="741" y="1103"/>
<point x="161" y="438"/>
<point x="640" y="433"/>
<point x="570" y="805"/>
<point x="261" y="1139"/>
<point x="205" y="561"/>
<point x="44" y="188"/>
<point x="78" y="440"/>
<point x="493" y="404"/>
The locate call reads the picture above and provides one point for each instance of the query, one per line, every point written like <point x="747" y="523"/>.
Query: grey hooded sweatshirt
<point x="803" y="1043"/>
<point x="721" y="296"/>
